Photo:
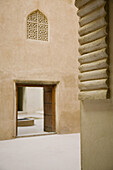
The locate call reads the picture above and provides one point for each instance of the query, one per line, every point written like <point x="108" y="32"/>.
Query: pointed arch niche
<point x="37" y="26"/>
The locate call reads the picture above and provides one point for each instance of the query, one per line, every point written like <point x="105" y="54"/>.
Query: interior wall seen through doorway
<point x="33" y="99"/>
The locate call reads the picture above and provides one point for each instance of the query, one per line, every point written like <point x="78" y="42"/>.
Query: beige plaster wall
<point x="33" y="100"/>
<point x="97" y="123"/>
<point x="23" y="59"/>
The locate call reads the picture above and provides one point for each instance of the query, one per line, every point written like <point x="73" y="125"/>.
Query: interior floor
<point x="36" y="129"/>
<point x="50" y="152"/>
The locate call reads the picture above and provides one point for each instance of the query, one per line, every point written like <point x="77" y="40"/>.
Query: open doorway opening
<point x="35" y="109"/>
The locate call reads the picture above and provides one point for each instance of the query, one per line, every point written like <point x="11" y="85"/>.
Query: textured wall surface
<point x="93" y="49"/>
<point x="25" y="59"/>
<point x="97" y="120"/>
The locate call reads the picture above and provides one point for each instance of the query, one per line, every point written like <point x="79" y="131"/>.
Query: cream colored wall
<point x="97" y="123"/>
<point x="23" y="59"/>
<point x="33" y="100"/>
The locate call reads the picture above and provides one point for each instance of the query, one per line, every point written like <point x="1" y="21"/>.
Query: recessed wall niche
<point x="37" y="26"/>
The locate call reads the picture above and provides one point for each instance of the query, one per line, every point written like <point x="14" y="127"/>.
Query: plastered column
<point x="97" y="115"/>
<point x="93" y="49"/>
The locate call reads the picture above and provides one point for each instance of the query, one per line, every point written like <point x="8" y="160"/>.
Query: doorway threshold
<point x="38" y="134"/>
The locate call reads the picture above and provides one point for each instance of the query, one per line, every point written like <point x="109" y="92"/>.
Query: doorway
<point x="35" y="109"/>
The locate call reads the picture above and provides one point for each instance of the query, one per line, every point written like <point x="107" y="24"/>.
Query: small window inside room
<point x="37" y="26"/>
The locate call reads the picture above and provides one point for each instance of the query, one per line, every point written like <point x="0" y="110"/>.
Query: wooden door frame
<point x="37" y="84"/>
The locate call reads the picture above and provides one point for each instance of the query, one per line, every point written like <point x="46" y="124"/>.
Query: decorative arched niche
<point x="37" y="26"/>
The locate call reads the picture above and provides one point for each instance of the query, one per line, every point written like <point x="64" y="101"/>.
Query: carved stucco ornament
<point x="93" y="40"/>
